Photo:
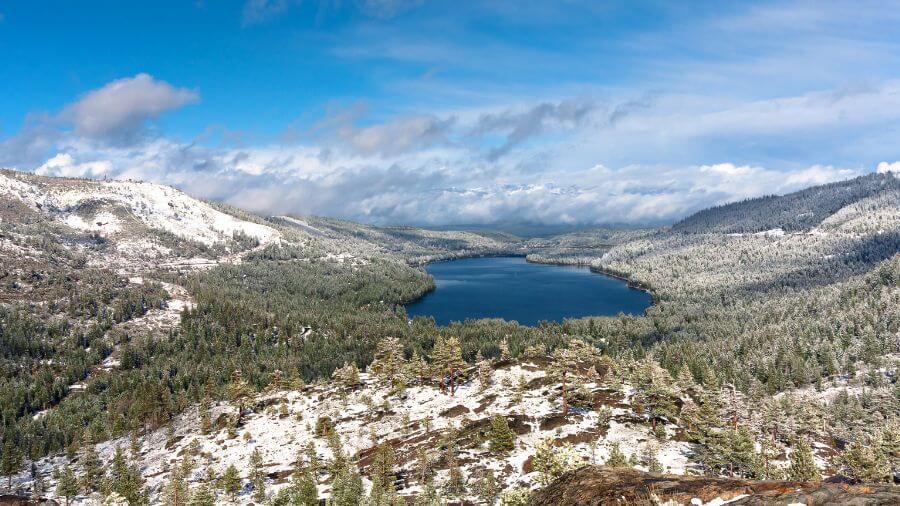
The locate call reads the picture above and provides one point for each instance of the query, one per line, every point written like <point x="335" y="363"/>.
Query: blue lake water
<point x="515" y="290"/>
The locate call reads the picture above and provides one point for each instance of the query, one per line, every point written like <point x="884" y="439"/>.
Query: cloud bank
<point x="536" y="161"/>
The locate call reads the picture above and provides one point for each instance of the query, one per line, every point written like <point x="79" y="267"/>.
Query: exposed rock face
<point x="596" y="485"/>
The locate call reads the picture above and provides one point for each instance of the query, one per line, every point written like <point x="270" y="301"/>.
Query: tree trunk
<point x="452" y="381"/>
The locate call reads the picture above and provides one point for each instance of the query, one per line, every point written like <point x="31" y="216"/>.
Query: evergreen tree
<point x="176" y="490"/>
<point x="430" y="496"/>
<point x="388" y="363"/>
<point x="91" y="470"/>
<point x="312" y="460"/>
<point x="231" y="481"/>
<point x="447" y="360"/>
<point x="569" y="364"/>
<point x="616" y="458"/>
<point x="456" y="483"/>
<point x="865" y="462"/>
<point x="651" y="459"/>
<point x="485" y="372"/>
<point x="504" y="350"/>
<point x="487" y="487"/>
<point x="547" y="462"/>
<point x="654" y="394"/>
<point x="257" y="476"/>
<point x="348" y="375"/>
<point x="10" y="461"/>
<point x="347" y="488"/>
<point x="417" y="368"/>
<point x="338" y="460"/>
<point x="803" y="465"/>
<point x="205" y="421"/>
<point x="238" y="392"/>
<point x="125" y="479"/>
<point x="66" y="485"/>
<point x="424" y="472"/>
<point x="382" y="469"/>
<point x="501" y="438"/>
<point x="205" y="493"/>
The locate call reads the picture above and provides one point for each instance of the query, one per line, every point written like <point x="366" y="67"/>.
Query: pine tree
<point x="389" y="364"/>
<point x="865" y="462"/>
<point x="547" y="462"/>
<point x="238" y="392"/>
<point x="66" y="485"/>
<point x="455" y="481"/>
<point x="447" y="360"/>
<point x="501" y="438"/>
<point x="485" y="373"/>
<point x="382" y="468"/>
<point x="803" y="465"/>
<point x="205" y="494"/>
<point x="312" y="460"/>
<point x="231" y="481"/>
<point x="424" y="471"/>
<point x="305" y="490"/>
<point x="125" y="479"/>
<point x="347" y="488"/>
<point x="257" y="476"/>
<point x="651" y="459"/>
<point x="654" y="395"/>
<point x="570" y="363"/>
<point x="430" y="496"/>
<point x="338" y="460"/>
<point x="91" y="471"/>
<point x="616" y="458"/>
<point x="417" y="368"/>
<point x="348" y="375"/>
<point x="205" y="421"/>
<point x="276" y="381"/>
<point x="10" y="461"/>
<point x="487" y="487"/>
<point x="504" y="350"/>
<point x="176" y="490"/>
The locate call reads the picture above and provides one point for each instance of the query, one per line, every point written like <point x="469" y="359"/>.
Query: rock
<point x="597" y="485"/>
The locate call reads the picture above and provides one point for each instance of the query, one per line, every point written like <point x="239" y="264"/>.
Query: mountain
<point x="150" y="340"/>
<point x="798" y="211"/>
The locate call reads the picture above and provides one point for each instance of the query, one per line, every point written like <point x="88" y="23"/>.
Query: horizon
<point x="418" y="113"/>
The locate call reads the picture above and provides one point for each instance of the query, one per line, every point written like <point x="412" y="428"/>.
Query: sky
<point x="440" y="113"/>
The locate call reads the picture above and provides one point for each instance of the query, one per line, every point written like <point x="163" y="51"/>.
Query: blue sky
<point x="392" y="111"/>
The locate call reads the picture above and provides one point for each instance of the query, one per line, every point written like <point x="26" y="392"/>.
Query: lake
<point x="513" y="289"/>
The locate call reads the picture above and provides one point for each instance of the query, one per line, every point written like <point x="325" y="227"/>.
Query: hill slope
<point x="798" y="211"/>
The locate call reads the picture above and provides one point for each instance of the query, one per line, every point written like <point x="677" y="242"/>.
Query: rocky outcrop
<point x="595" y="485"/>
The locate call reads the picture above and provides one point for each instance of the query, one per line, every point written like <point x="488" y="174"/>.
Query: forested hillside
<point x="156" y="348"/>
<point x="795" y="212"/>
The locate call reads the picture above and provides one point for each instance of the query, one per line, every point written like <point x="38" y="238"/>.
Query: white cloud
<point x="121" y="107"/>
<point x="886" y="168"/>
<point x="432" y="190"/>
<point x="65" y="166"/>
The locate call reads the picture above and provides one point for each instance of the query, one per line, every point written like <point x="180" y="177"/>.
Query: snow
<point x="359" y="419"/>
<point x="157" y="206"/>
<point x="103" y="222"/>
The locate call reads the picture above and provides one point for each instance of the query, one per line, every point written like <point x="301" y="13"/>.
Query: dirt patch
<point x="609" y="397"/>
<point x="455" y="411"/>
<point x="554" y="421"/>
<point x="487" y="401"/>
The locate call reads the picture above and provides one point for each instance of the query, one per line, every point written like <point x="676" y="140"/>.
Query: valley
<point x="156" y="347"/>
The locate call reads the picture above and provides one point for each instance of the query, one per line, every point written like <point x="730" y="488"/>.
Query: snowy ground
<point x="369" y="415"/>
